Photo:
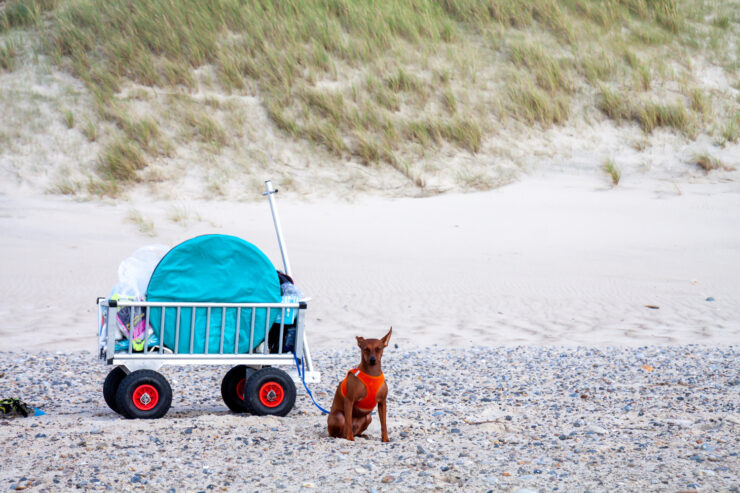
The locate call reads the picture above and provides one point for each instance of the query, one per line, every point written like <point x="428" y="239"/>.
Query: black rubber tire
<point x="264" y="380"/>
<point x="230" y="388"/>
<point x="110" y="386"/>
<point x="142" y="382"/>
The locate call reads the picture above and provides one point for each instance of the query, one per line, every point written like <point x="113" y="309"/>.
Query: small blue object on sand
<point x="38" y="412"/>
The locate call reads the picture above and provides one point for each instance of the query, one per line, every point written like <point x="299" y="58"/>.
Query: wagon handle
<point x="270" y="191"/>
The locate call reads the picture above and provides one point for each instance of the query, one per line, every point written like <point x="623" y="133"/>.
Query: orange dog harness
<point x="372" y="384"/>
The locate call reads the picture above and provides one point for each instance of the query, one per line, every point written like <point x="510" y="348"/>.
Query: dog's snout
<point x="373" y="360"/>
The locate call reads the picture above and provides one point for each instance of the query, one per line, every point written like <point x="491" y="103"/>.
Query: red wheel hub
<point x="271" y="394"/>
<point x="240" y="388"/>
<point x="145" y="397"/>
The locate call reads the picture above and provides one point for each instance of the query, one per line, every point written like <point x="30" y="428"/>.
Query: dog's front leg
<point x="348" y="431"/>
<point x="381" y="415"/>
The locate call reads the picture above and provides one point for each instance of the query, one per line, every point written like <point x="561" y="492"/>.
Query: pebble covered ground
<point x="476" y="419"/>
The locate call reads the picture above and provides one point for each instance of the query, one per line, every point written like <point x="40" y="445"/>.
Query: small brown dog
<point x="359" y="392"/>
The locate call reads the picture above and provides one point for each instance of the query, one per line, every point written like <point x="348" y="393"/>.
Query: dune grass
<point x="65" y="186"/>
<point x="651" y="115"/>
<point x="69" y="118"/>
<point x="700" y="102"/>
<point x="90" y="129"/>
<point x="9" y="51"/>
<point x="598" y="66"/>
<point x="121" y="160"/>
<point x="381" y="82"/>
<point x="648" y="114"/>
<point x="731" y="130"/>
<point x="613" y="171"/>
<point x="144" y="225"/>
<point x="614" y="104"/>
<point x="179" y="214"/>
<point x="708" y="163"/>
<point x="551" y="74"/>
<point x="24" y="13"/>
<point x="643" y="77"/>
<point x="532" y="104"/>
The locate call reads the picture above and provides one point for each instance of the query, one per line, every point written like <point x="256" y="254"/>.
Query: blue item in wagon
<point x="290" y="294"/>
<point x="213" y="269"/>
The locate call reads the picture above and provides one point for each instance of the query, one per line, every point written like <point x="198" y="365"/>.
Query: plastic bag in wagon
<point x="134" y="273"/>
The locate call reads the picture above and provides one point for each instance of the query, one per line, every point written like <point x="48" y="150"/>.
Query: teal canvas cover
<point x="219" y="269"/>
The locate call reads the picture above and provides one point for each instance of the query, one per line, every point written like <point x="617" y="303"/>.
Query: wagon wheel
<point x="269" y="391"/>
<point x="144" y="394"/>
<point x="110" y="386"/>
<point x="232" y="388"/>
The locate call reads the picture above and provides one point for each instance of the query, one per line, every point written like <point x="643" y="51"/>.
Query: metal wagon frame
<point x="254" y="384"/>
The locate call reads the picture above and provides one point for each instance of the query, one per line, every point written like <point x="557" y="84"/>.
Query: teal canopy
<point x="218" y="269"/>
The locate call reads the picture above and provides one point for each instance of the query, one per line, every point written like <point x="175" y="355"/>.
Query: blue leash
<point x="301" y="367"/>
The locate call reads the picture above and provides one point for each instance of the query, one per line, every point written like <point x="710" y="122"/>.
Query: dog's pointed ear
<point x="386" y="338"/>
<point x="360" y="341"/>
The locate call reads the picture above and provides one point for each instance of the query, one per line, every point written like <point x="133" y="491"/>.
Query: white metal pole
<point x="269" y="191"/>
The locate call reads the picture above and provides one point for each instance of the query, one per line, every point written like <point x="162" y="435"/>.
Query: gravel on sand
<point x="474" y="419"/>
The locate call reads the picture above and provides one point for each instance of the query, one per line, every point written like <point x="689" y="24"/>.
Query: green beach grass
<point x="382" y="83"/>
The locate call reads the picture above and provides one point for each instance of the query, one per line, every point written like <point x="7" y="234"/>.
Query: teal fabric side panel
<point x="198" y="329"/>
<point x="219" y="269"/>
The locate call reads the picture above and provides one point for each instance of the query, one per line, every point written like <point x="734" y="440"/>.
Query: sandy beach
<point x="524" y="354"/>
<point x="558" y="259"/>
